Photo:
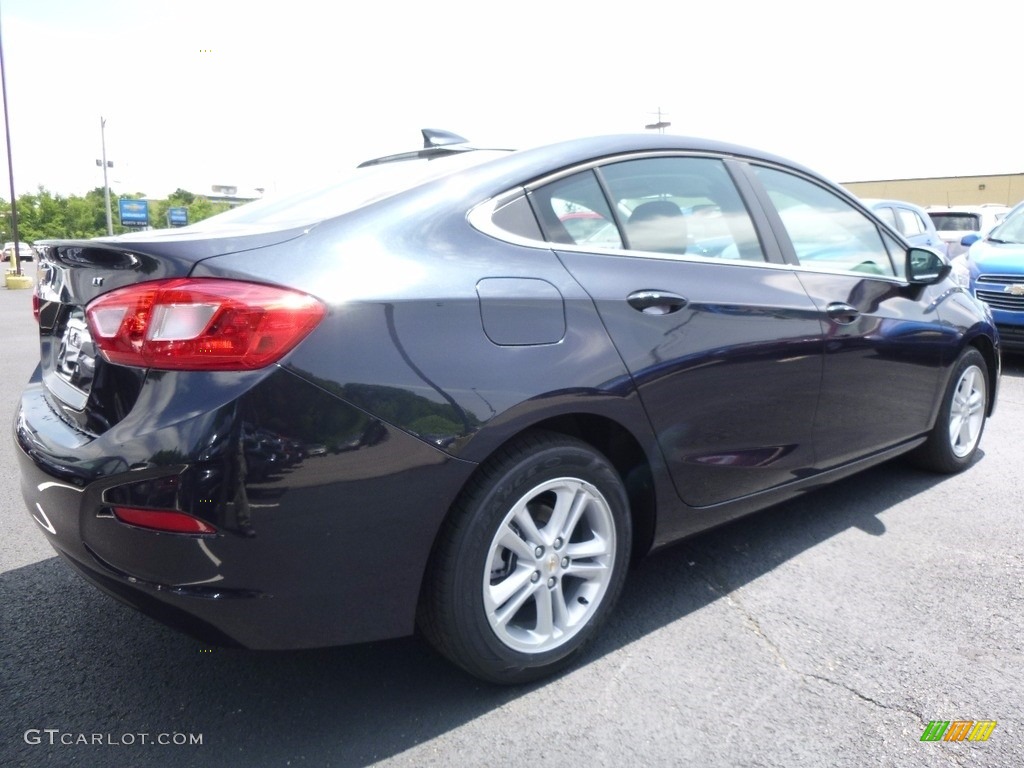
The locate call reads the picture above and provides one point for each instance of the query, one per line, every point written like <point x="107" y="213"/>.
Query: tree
<point x="43" y="215"/>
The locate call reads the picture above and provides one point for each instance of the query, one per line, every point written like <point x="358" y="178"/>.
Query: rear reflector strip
<point x="167" y="521"/>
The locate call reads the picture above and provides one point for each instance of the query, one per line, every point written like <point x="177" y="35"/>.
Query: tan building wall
<point x="1007" y="189"/>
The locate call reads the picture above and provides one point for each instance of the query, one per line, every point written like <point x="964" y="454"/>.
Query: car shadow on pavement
<point x="76" y="661"/>
<point x="1013" y="365"/>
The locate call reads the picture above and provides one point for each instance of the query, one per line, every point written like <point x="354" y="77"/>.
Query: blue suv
<point x="993" y="270"/>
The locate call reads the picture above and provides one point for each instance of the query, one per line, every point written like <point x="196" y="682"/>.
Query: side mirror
<point x="971" y="239"/>
<point x="926" y="267"/>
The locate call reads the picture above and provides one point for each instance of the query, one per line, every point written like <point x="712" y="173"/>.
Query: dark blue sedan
<point x="506" y="408"/>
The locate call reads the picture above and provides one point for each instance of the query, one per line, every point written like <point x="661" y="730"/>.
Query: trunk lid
<point x="85" y="390"/>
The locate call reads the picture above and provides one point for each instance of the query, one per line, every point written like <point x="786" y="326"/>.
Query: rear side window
<point x="910" y="222"/>
<point x="887" y="215"/>
<point x="671" y="206"/>
<point x="826" y="232"/>
<point x="575" y="211"/>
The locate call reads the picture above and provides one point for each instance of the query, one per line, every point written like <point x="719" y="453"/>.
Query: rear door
<point x="724" y="346"/>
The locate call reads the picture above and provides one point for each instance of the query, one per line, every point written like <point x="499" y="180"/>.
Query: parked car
<point x="520" y="414"/>
<point x="993" y="271"/>
<point x="25" y="251"/>
<point x="956" y="222"/>
<point x="909" y="220"/>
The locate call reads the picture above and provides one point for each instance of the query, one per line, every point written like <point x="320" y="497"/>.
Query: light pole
<point x="659" y="126"/>
<point x="106" y="164"/>
<point x="16" y="256"/>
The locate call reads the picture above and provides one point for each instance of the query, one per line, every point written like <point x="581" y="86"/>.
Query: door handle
<point x="656" y="302"/>
<point x="842" y="313"/>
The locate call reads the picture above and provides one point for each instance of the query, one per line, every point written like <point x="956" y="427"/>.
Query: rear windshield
<point x="362" y="187"/>
<point x="956" y="222"/>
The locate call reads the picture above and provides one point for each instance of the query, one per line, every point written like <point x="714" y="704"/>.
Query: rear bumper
<point x="321" y="550"/>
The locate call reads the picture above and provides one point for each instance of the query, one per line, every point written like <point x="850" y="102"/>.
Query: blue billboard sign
<point x="134" y="213"/>
<point x="177" y="217"/>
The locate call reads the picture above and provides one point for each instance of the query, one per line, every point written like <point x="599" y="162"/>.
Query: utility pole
<point x="10" y="163"/>
<point x="659" y="126"/>
<point x="106" y="186"/>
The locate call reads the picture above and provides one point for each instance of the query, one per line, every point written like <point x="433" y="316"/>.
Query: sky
<point x="281" y="94"/>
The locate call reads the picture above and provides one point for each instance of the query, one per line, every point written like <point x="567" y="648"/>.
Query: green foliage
<point x="45" y="216"/>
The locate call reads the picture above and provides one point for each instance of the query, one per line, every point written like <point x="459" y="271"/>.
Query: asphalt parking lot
<point x="829" y="631"/>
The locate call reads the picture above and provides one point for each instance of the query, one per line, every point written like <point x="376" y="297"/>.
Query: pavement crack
<point x="863" y="697"/>
<point x="732" y="599"/>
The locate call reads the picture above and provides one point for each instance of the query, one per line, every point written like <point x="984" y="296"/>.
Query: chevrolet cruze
<point x="460" y="390"/>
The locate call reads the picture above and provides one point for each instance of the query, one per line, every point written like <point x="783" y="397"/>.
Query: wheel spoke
<point x="956" y="423"/>
<point x="569" y="505"/>
<point x="545" y="614"/>
<point x="506" y="598"/>
<point x="524" y="520"/>
<point x="595" y="547"/>
<point x="559" y="610"/>
<point x="976" y="402"/>
<point x="588" y="571"/>
<point x="967" y="433"/>
<point x="513" y="542"/>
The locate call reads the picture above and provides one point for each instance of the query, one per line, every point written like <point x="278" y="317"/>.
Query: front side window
<point x="827" y="232"/>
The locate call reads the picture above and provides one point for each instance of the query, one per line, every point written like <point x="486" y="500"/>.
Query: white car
<point x="956" y="221"/>
<point x="909" y="220"/>
<point x="25" y="252"/>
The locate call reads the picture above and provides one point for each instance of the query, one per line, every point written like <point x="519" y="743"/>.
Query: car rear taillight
<point x="200" y="324"/>
<point x="168" y="521"/>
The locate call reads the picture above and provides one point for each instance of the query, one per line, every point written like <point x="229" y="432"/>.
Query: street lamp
<point x="106" y="164"/>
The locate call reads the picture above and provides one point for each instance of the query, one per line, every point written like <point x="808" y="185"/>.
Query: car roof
<point x="981" y="208"/>
<point x="871" y="202"/>
<point x="880" y="202"/>
<point x="596" y="147"/>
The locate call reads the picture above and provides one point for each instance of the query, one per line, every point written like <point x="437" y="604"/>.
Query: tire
<point x="953" y="442"/>
<point x="530" y="561"/>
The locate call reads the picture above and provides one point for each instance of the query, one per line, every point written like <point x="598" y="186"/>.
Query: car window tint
<point x="826" y="232"/>
<point x="956" y="222"/>
<point x="910" y="222"/>
<point x="574" y="211"/>
<point x="897" y="254"/>
<point x="681" y="205"/>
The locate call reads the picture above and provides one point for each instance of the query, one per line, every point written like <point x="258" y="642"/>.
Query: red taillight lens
<point x="168" y="521"/>
<point x="197" y="324"/>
